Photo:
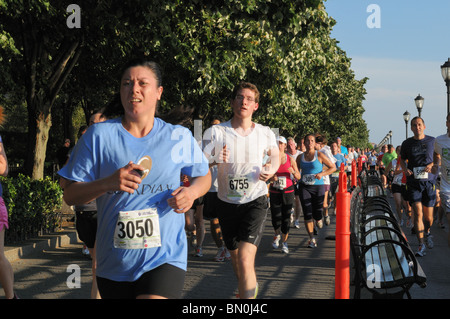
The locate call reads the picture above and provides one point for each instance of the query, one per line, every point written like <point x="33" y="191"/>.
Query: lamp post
<point x="419" y="103"/>
<point x="406" y="116"/>
<point x="445" y="70"/>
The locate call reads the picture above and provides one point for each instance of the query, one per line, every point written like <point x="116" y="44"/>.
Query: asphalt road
<point x="52" y="271"/>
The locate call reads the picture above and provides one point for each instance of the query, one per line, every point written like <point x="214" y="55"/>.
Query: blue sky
<point x="401" y="58"/>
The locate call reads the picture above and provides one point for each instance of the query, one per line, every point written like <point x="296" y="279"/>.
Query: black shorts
<point x="211" y="203"/>
<point x="404" y="193"/>
<point x="312" y="197"/>
<point x="197" y="202"/>
<point x="86" y="225"/>
<point x="395" y="188"/>
<point x="243" y="222"/>
<point x="334" y="183"/>
<point x="297" y="188"/>
<point x="165" y="280"/>
<point x="282" y="198"/>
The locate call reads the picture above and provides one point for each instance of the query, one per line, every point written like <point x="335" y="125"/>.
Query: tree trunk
<point x="43" y="125"/>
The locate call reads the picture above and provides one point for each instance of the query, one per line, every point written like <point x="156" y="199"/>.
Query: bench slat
<point x="394" y="262"/>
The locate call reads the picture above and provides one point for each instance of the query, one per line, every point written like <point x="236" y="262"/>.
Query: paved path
<point x="42" y="272"/>
<point x="303" y="273"/>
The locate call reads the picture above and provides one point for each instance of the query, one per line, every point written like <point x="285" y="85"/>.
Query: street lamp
<point x="406" y="116"/>
<point x="445" y="70"/>
<point x="419" y="103"/>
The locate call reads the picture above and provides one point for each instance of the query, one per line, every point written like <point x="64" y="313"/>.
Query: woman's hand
<point x="182" y="200"/>
<point x="126" y="179"/>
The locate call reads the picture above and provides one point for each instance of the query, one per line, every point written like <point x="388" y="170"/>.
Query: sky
<point x="399" y="45"/>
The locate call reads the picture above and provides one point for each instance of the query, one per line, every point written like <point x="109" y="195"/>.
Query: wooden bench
<point x="383" y="260"/>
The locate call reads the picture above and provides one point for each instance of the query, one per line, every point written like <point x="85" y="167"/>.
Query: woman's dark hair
<point x="181" y="115"/>
<point x="153" y="66"/>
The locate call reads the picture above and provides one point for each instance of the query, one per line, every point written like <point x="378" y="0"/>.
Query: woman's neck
<point x="140" y="127"/>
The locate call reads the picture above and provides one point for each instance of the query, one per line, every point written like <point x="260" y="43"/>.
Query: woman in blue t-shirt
<point x="132" y="166"/>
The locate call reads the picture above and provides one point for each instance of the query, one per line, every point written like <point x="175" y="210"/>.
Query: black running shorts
<point x="242" y="222"/>
<point x="86" y="225"/>
<point x="166" y="281"/>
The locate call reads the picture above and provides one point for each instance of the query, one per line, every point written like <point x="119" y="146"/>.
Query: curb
<point x="32" y="246"/>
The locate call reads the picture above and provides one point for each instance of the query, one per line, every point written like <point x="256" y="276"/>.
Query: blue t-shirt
<point x="339" y="160"/>
<point x="418" y="153"/>
<point x="105" y="148"/>
<point x="344" y="150"/>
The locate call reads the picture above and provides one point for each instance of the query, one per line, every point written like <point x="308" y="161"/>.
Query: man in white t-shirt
<point x="247" y="155"/>
<point x="442" y="158"/>
<point x="291" y="149"/>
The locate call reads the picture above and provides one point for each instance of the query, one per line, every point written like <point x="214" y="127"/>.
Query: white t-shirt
<point x="442" y="147"/>
<point x="297" y="153"/>
<point x="327" y="151"/>
<point x="238" y="178"/>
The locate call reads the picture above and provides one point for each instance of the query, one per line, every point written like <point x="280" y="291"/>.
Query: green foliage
<point x="33" y="206"/>
<point x="204" y="47"/>
<point x="285" y="48"/>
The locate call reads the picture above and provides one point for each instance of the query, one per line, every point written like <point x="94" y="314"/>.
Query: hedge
<point x="34" y="206"/>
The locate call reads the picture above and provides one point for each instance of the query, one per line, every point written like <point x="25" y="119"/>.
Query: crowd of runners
<point x="143" y="188"/>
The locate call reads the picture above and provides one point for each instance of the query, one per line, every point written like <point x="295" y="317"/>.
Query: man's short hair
<point x="246" y="85"/>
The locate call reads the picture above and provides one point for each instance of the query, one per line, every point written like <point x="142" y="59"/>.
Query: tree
<point x="204" y="47"/>
<point x="47" y="56"/>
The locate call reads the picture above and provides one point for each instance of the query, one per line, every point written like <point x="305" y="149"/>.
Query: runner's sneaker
<point x="409" y="223"/>
<point x="429" y="241"/>
<point x="198" y="252"/>
<point x="422" y="251"/>
<point x="193" y="240"/>
<point x="284" y="248"/>
<point x="319" y="223"/>
<point x="220" y="256"/>
<point x="296" y="223"/>
<point x="312" y="243"/>
<point x="85" y="251"/>
<point x="327" y="220"/>
<point x="276" y="242"/>
<point x="227" y="254"/>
